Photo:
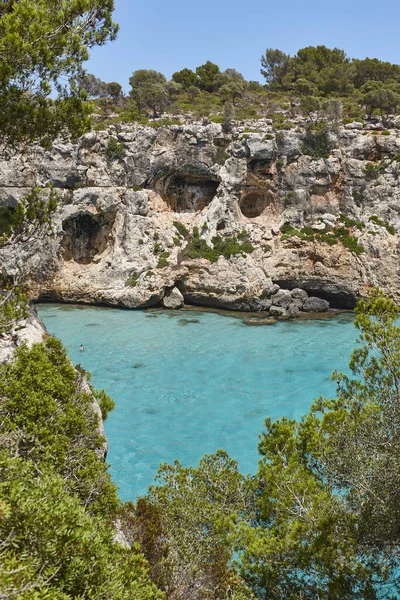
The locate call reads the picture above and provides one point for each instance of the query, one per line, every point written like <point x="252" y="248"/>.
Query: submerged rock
<point x="254" y="321"/>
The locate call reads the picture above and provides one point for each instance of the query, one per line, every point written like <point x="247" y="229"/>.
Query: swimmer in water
<point x="82" y="347"/>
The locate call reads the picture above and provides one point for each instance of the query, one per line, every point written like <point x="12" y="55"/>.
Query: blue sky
<point x="170" y="35"/>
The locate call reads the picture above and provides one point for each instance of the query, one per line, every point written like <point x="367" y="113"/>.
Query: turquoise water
<point x="186" y="388"/>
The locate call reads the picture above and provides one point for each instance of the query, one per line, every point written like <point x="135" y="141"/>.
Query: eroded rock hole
<point x="188" y="189"/>
<point x="253" y="204"/>
<point x="189" y="195"/>
<point x="85" y="236"/>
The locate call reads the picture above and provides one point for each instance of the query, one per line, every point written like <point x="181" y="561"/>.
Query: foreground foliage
<point x="43" y="44"/>
<point x="319" y="520"/>
<point x="57" y="501"/>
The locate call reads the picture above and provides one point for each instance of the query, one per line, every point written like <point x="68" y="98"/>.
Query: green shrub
<point x="181" y="229"/>
<point x="349" y="241"/>
<point x="316" y="144"/>
<point x="132" y="279"/>
<point x="330" y="236"/>
<point x="136" y="188"/>
<point x="288" y="229"/>
<point x="377" y="220"/>
<point x="385" y="132"/>
<point x="47" y="417"/>
<point x="177" y="241"/>
<point x="280" y="122"/>
<point x="243" y="235"/>
<point x="221" y="157"/>
<point x="216" y="118"/>
<point x="114" y="150"/>
<point x="290" y="196"/>
<point x="162" y="261"/>
<point x="157" y="247"/>
<point x="164" y="122"/>
<point x="59" y="551"/>
<point x="357" y="197"/>
<point x="348" y="222"/>
<point x="222" y="246"/>
<point x="105" y="401"/>
<point x="373" y="170"/>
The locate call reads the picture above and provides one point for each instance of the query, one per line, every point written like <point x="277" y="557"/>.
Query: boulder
<point x="277" y="311"/>
<point x="282" y="298"/>
<point x="299" y="294"/>
<point x="314" y="304"/>
<point x="173" y="299"/>
<point x="293" y="310"/>
<point x="260" y="149"/>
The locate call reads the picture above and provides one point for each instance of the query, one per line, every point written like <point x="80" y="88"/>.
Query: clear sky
<point x="169" y="35"/>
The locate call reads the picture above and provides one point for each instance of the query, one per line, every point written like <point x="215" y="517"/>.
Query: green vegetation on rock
<point x="221" y="246"/>
<point x="181" y="228"/>
<point x="132" y="279"/>
<point x="114" y="150"/>
<point x="330" y="235"/>
<point x="378" y="221"/>
<point x="162" y="261"/>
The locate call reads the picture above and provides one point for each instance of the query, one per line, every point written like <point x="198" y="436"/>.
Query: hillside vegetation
<point x="315" y="79"/>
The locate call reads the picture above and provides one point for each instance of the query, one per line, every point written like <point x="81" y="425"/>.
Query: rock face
<point x="131" y="228"/>
<point x="29" y="331"/>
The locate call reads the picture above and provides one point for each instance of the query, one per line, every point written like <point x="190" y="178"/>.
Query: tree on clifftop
<point x="149" y="90"/>
<point x="43" y="44"/>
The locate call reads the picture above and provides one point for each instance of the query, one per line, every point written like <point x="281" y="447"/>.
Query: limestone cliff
<point x="118" y="235"/>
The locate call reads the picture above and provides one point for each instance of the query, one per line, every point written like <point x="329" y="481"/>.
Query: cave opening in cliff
<point x="189" y="194"/>
<point x="338" y="298"/>
<point x="86" y="235"/>
<point x="253" y="204"/>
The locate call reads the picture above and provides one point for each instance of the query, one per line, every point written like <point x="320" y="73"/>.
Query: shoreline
<point x="250" y="318"/>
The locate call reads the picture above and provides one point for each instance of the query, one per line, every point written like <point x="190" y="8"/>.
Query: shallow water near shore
<point x="188" y="383"/>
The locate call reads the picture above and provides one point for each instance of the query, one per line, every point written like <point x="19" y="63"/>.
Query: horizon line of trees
<point x="315" y="73"/>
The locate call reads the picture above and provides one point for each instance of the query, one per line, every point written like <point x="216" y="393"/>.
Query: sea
<point x="187" y="383"/>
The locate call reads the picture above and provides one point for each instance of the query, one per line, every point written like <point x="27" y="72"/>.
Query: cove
<point x="187" y="383"/>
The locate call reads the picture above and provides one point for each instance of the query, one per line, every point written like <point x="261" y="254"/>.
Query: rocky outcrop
<point x="133" y="225"/>
<point x="28" y="331"/>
